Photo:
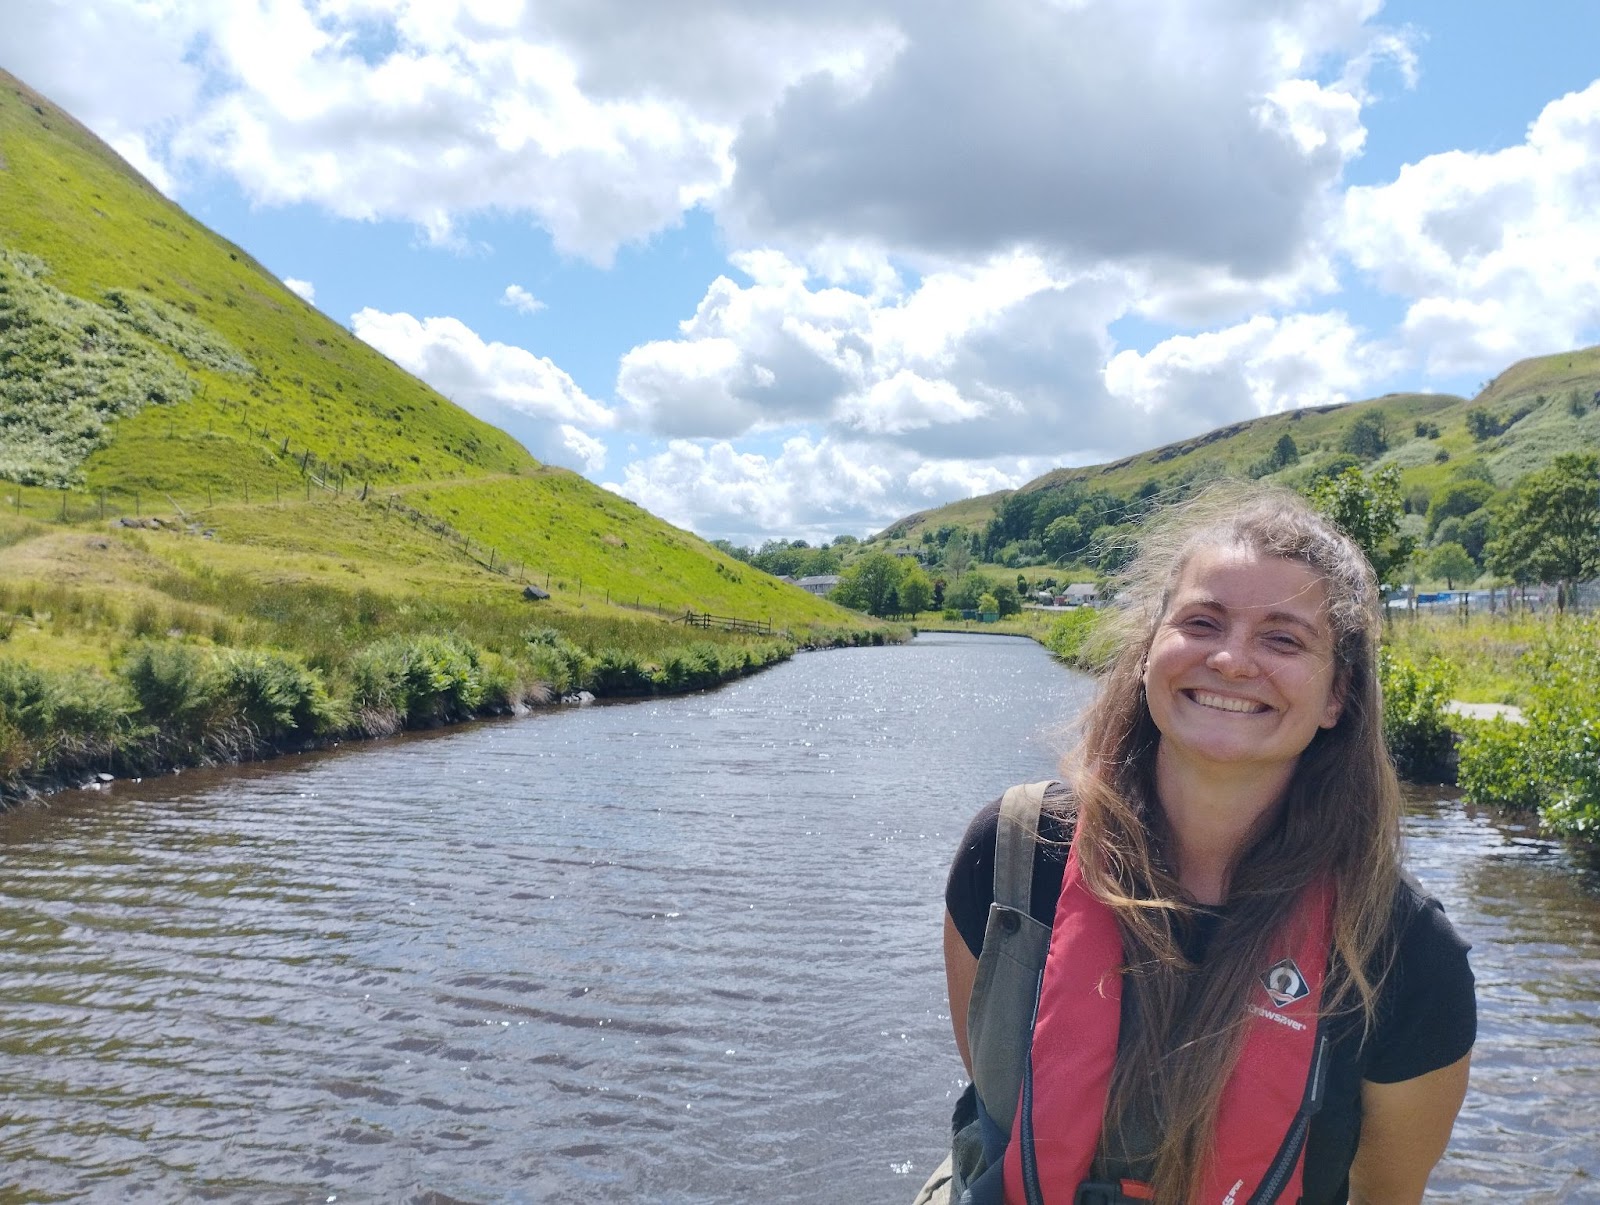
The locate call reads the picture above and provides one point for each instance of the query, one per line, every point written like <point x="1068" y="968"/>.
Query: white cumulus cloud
<point x="1264" y="365"/>
<point x="519" y="299"/>
<point x="1498" y="253"/>
<point x="456" y="361"/>
<point x="302" y="289"/>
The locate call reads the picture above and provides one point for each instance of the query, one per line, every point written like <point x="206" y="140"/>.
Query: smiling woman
<point x="1227" y="960"/>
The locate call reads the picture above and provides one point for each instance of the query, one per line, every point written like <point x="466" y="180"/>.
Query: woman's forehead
<point x="1238" y="577"/>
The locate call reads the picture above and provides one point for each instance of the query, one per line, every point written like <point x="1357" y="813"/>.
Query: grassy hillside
<point x="211" y="496"/>
<point x="151" y="366"/>
<point x="1534" y="392"/>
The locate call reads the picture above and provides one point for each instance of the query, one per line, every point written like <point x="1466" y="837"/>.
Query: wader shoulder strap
<point x="1014" y="843"/>
<point x="1000" y="1013"/>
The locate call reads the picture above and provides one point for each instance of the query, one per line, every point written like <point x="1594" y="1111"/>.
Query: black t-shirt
<point x="1426" y="1018"/>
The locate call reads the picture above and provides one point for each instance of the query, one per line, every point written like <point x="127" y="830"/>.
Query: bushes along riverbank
<point x="182" y="701"/>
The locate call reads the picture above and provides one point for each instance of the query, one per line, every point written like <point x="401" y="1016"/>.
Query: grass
<point x="73" y="204"/>
<point x="1030" y="623"/>
<point x="1485" y="649"/>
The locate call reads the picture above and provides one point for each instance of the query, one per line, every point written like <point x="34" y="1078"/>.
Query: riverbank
<point x="173" y="663"/>
<point x="178" y="701"/>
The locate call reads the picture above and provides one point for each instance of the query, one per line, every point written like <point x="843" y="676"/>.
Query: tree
<point x="1368" y="437"/>
<point x="1472" y="532"/>
<point x="1458" y="498"/>
<point x="871" y="584"/>
<point x="916" y="591"/>
<point x="957" y="555"/>
<point x="1550" y="529"/>
<point x="1482" y="424"/>
<point x="1110" y="547"/>
<point x="1451" y="562"/>
<point x="1284" y="453"/>
<point x="964" y="595"/>
<point x="1010" y="601"/>
<point x="1367" y="508"/>
<point x="1063" y="538"/>
<point x="988" y="604"/>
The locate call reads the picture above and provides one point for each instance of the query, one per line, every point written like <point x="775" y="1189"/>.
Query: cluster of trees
<point x="791" y="558"/>
<point x="894" y="586"/>
<point x="1546" y="528"/>
<point x="888" y="586"/>
<point x="1063" y="522"/>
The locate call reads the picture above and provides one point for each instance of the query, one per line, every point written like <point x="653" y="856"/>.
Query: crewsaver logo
<point x="1285" y="984"/>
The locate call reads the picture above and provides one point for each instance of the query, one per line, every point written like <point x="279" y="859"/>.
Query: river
<point x="679" y="950"/>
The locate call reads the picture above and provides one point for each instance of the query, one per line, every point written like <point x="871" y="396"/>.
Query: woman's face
<point x="1240" y="672"/>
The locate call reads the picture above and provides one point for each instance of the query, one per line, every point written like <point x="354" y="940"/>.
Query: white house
<point x="819" y="585"/>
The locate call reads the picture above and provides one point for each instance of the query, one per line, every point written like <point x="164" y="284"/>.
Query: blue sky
<point x="798" y="269"/>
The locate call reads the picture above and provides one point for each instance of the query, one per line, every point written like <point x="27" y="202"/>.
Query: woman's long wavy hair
<point x="1340" y="818"/>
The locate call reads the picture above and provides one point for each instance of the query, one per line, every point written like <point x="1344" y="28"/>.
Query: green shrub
<point x="413" y="681"/>
<point x="1500" y="765"/>
<point x="700" y="665"/>
<point x="1551" y="762"/>
<point x="40" y="703"/>
<point x="618" y="672"/>
<point x="1069" y="637"/>
<point x="1414" y="716"/>
<point x="556" y="660"/>
<point x="175" y="686"/>
<point x="275" y="695"/>
<point x="54" y="722"/>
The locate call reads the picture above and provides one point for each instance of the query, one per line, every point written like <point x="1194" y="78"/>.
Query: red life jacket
<point x="1266" y="1105"/>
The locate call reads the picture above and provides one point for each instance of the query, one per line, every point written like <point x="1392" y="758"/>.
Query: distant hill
<point x="1530" y="412"/>
<point x="150" y="368"/>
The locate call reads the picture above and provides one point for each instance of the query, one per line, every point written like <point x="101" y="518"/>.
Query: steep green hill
<point x="227" y="526"/>
<point x="1535" y="410"/>
<point x="153" y="368"/>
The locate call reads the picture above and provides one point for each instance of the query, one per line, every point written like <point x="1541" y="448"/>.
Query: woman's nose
<point x="1233" y="659"/>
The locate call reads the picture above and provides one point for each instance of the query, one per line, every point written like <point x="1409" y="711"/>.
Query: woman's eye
<point x="1283" y="640"/>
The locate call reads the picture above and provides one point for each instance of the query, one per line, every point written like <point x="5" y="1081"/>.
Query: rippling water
<point x="678" y="951"/>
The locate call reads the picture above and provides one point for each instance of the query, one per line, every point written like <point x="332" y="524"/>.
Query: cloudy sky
<point x="772" y="267"/>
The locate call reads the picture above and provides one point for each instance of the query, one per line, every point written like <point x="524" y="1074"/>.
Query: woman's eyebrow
<point x="1207" y="603"/>
<point x="1298" y="621"/>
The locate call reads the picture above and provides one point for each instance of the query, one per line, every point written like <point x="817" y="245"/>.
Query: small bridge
<point x="697" y="619"/>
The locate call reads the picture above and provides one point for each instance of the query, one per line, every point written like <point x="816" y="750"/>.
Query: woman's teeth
<point x="1223" y="703"/>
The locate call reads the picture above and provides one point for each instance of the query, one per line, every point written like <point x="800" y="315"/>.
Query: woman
<point x="1243" y="999"/>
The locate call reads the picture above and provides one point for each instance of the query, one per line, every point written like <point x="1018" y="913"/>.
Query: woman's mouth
<point x="1227" y="703"/>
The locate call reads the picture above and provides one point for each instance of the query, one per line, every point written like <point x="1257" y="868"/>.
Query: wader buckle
<point x="1112" y="1192"/>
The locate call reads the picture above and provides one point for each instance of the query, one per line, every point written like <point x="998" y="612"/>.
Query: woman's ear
<point x="1335" y="707"/>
